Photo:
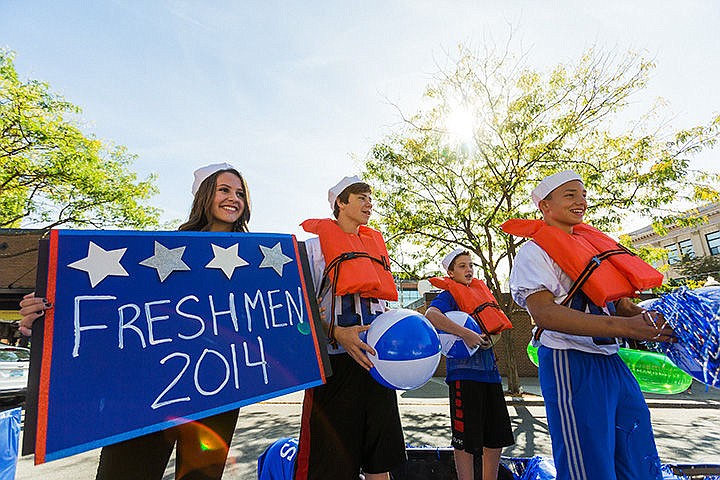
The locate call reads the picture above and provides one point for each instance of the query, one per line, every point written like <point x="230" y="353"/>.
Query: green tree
<point x="436" y="189"/>
<point x="52" y="174"/>
<point x="699" y="268"/>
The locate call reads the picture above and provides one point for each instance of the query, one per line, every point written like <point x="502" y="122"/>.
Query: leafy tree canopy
<point x="699" y="268"/>
<point x="51" y="173"/>
<point x="437" y="190"/>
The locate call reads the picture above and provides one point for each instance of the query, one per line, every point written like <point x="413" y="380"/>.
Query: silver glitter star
<point x="166" y="260"/>
<point x="274" y="258"/>
<point x="226" y="259"/>
<point x="101" y="263"/>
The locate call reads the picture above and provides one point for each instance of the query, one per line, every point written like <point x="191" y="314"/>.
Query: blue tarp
<point x="9" y="442"/>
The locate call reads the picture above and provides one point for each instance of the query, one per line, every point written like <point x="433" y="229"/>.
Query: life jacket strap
<point x="334" y="266"/>
<point x="476" y="314"/>
<point x="592" y="265"/>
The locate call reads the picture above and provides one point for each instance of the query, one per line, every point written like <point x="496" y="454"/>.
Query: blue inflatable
<point x="407" y="347"/>
<point x="454" y="346"/>
<point x="539" y="468"/>
<point x="694" y="315"/>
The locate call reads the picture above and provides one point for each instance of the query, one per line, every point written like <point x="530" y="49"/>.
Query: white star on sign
<point x="101" y="263"/>
<point x="274" y="258"/>
<point x="166" y="260"/>
<point x="226" y="259"/>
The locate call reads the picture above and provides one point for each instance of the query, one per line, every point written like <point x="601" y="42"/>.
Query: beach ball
<point x="407" y="347"/>
<point x="454" y="346"/>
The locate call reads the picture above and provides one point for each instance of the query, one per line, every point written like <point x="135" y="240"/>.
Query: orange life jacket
<point x="476" y="300"/>
<point x="602" y="268"/>
<point x="354" y="263"/>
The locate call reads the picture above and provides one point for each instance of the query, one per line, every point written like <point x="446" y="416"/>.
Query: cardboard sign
<point x="153" y="329"/>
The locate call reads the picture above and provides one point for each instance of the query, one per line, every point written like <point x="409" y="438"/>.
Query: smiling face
<point x="565" y="206"/>
<point x="461" y="269"/>
<point x="228" y="202"/>
<point x="357" y="210"/>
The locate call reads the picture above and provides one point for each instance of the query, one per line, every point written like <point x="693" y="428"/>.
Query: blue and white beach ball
<point x="454" y="346"/>
<point x="407" y="347"/>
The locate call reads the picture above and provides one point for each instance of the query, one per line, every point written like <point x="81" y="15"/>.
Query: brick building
<point x="18" y="259"/>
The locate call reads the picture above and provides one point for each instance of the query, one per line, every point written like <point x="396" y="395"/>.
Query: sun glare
<point x="460" y="124"/>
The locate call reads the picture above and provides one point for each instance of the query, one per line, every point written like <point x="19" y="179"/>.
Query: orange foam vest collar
<point x="478" y="301"/>
<point x="617" y="271"/>
<point x="354" y="263"/>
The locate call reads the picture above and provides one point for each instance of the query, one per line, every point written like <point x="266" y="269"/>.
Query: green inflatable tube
<point x="655" y="372"/>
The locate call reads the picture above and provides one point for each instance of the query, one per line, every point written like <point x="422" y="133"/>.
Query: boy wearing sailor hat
<point x="352" y="422"/>
<point x="479" y="419"/>
<point x="598" y="419"/>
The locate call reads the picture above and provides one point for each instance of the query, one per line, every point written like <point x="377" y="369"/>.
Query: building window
<point x="673" y="253"/>
<point x="686" y="249"/>
<point x="713" y="240"/>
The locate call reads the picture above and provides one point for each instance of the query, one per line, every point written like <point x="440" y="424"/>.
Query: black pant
<point x="202" y="449"/>
<point x="350" y="422"/>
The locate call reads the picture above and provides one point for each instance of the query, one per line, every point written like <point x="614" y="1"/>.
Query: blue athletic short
<point x="598" y="419"/>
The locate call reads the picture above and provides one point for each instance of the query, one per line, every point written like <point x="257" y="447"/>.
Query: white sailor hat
<point x="548" y="184"/>
<point x="339" y="187"/>
<point x="204" y="172"/>
<point x="451" y="256"/>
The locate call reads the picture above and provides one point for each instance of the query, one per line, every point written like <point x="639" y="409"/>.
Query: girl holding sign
<point x="221" y="204"/>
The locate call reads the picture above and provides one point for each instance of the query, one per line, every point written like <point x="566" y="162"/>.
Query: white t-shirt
<point x="350" y="308"/>
<point x="534" y="271"/>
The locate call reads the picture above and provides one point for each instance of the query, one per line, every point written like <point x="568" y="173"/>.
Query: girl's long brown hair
<point x="201" y="211"/>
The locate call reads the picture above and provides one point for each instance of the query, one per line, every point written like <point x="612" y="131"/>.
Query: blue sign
<point x="152" y="329"/>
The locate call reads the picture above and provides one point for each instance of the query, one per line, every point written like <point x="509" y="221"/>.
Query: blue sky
<point x="295" y="93"/>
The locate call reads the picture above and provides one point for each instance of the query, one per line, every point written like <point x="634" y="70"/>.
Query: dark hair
<point x="452" y="264"/>
<point x="344" y="197"/>
<point x="201" y="210"/>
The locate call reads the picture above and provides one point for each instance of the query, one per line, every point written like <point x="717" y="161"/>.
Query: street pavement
<point x="687" y="429"/>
